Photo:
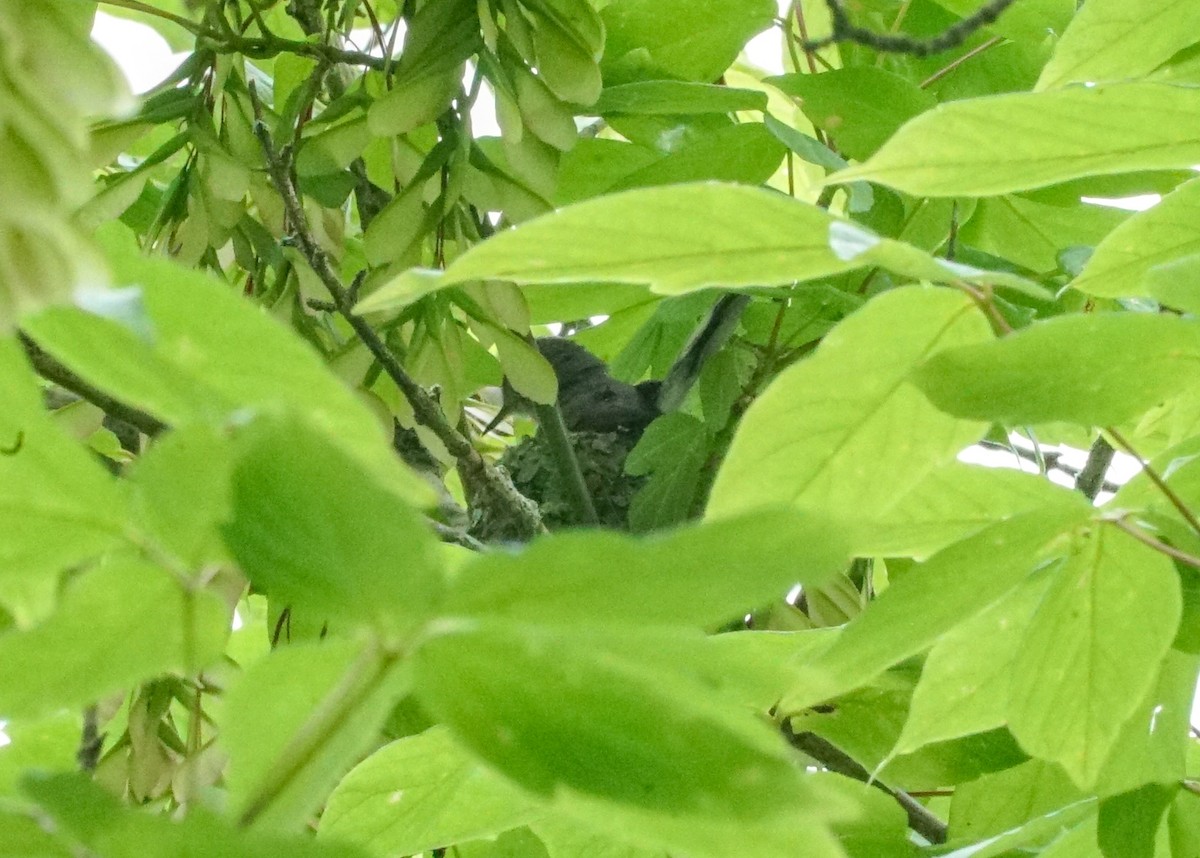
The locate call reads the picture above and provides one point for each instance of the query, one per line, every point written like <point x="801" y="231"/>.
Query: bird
<point x="589" y="399"/>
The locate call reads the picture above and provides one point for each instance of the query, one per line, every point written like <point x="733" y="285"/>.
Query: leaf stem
<point x="1154" y="477"/>
<point x="1158" y="545"/>
<point x="191" y="26"/>
<point x="359" y="682"/>
<point x="833" y="758"/>
<point x="525" y="515"/>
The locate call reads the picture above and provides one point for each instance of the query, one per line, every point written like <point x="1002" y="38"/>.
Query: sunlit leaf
<point x="268" y="716"/>
<point x="1118" y="39"/>
<point x="1013" y="142"/>
<point x="1092" y="651"/>
<point x="844" y="432"/>
<point x="122" y="623"/>
<point x="422" y="792"/>
<point x="1087" y="369"/>
<point x="699" y="575"/>
<point x="1121" y="262"/>
<point x="311" y="526"/>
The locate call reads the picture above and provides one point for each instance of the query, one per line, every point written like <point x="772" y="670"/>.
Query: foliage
<point x="261" y="576"/>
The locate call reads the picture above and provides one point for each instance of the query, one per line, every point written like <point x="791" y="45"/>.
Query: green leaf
<point x="699" y="575"/>
<point x="529" y="373"/>
<point x="1029" y="20"/>
<point x="58" y="505"/>
<point x="1117" y="39"/>
<point x="673" y="451"/>
<point x="1003" y="801"/>
<point x="616" y="739"/>
<point x="1086" y="369"/>
<point x="1152" y="746"/>
<point x="109" y="828"/>
<point x="917" y="609"/>
<point x="1174" y="283"/>
<point x="1033" y="234"/>
<point x="1129" y="823"/>
<point x="280" y="767"/>
<point x="310" y="526"/>
<point x="678" y="39"/>
<point x="118" y="624"/>
<point x="568" y="838"/>
<point x="952" y="502"/>
<point x="800" y="443"/>
<point x="860" y="107"/>
<point x="853" y="243"/>
<point x="1120" y="265"/>
<point x="1004" y="143"/>
<point x="405" y="288"/>
<point x="745" y="153"/>
<point x="406" y="107"/>
<point x="423" y="792"/>
<point x="964" y="683"/>
<point x="1092" y="651"/>
<point x="23" y="836"/>
<point x="565" y="42"/>
<point x="748" y="238"/>
<point x="186" y="360"/>
<point x="672" y="97"/>
<point x="181" y="494"/>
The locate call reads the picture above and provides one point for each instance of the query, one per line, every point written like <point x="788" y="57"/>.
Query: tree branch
<point x="836" y="760"/>
<point x="1091" y="477"/>
<point x="51" y="370"/>
<point x="498" y="486"/>
<point x="951" y="37"/>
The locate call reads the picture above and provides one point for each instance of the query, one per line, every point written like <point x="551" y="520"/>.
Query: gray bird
<point x="589" y="398"/>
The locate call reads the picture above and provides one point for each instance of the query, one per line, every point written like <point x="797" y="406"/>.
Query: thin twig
<point x="951" y="66"/>
<point x="51" y="370"/>
<point x="1168" y="492"/>
<point x="833" y="758"/>
<point x="191" y="26"/>
<point x="951" y="37"/>
<point x="1158" y="545"/>
<point x="425" y="408"/>
<point x="90" y="741"/>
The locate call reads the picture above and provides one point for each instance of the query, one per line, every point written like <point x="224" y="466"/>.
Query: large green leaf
<point x="1005" y="143"/>
<point x="311" y="527"/>
<point x="860" y="107"/>
<point x="1117" y="39"/>
<point x="748" y="237"/>
<point x="58" y="506"/>
<point x="118" y="624"/>
<point x="699" y="575"/>
<point x="844" y="432"/>
<point x="678" y="39"/>
<point x="746" y="153"/>
<point x="1086" y="369"/>
<point x="616" y="737"/>
<point x="423" y="792"/>
<point x="1120" y="264"/>
<point x="964" y="682"/>
<point x="192" y="350"/>
<point x="1093" y="651"/>
<point x="108" y="828"/>
<point x="1032" y="234"/>
<point x="949" y="504"/>
<point x="920" y="607"/>
<point x="283" y="758"/>
<point x="1153" y="743"/>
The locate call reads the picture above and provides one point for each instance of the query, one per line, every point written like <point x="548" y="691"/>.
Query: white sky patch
<point x="143" y="56"/>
